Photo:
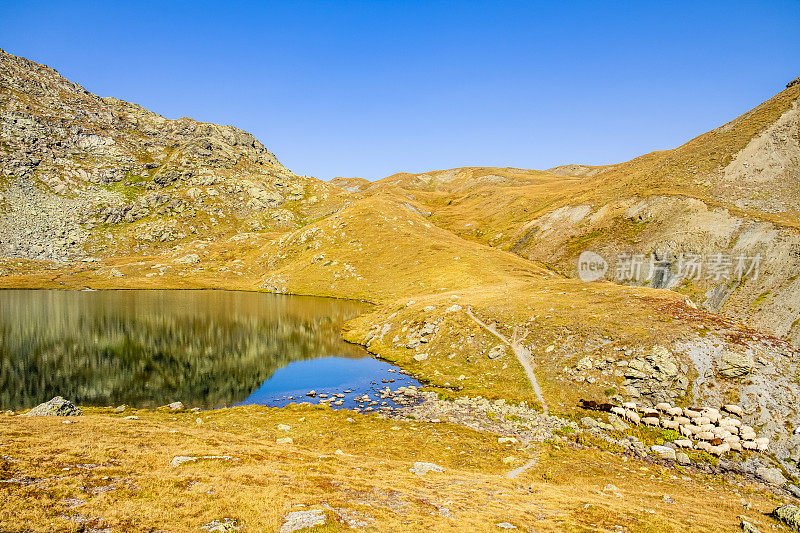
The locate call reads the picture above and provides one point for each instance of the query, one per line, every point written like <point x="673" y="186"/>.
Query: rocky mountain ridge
<point x="84" y="175"/>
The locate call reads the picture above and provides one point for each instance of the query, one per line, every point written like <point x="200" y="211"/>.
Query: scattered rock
<point x="179" y="460"/>
<point x="120" y="409"/>
<point x="773" y="476"/>
<point x="58" y="406"/>
<point x="506" y="525"/>
<point x="176" y="406"/>
<point x="421" y="469"/>
<point x="747" y="527"/>
<point x="682" y="458"/>
<point x="223" y="524"/>
<point x="284" y="440"/>
<point x="789" y="515"/>
<point x="298" y="520"/>
<point x="497" y="352"/>
<point x="735" y="365"/>
<point x="664" y="452"/>
<point x="189" y="259"/>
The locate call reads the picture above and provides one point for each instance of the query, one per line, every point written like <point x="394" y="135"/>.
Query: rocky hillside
<point x="716" y="219"/>
<point x="82" y="175"/>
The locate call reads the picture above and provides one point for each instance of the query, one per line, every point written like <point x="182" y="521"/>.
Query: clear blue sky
<point x="371" y="88"/>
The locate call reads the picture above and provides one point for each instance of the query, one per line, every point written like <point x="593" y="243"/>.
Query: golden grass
<point x="120" y="469"/>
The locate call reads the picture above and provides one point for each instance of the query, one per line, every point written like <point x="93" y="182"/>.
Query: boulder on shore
<point x="58" y="406"/>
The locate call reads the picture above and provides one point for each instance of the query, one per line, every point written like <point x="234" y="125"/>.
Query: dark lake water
<point x="203" y="348"/>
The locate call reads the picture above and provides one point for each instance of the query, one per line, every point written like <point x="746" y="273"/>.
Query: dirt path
<point x="522" y="354"/>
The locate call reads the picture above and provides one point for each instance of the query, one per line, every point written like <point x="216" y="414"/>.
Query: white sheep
<point x="735" y="446"/>
<point x="650" y="413"/>
<point x="630" y="405"/>
<point x="705" y="435"/>
<point x="651" y="421"/>
<point x="670" y="424"/>
<point x="675" y="411"/>
<point x="619" y="411"/>
<point x="734" y="409"/>
<point x="701" y="421"/>
<point x="762" y="444"/>
<point x="719" y="450"/>
<point x="683" y="443"/>
<point x="692" y="428"/>
<point x="749" y="445"/>
<point x="682" y="420"/>
<point x="663" y="407"/>
<point x="730" y="422"/>
<point x="632" y="417"/>
<point x="707" y="426"/>
<point x="703" y="445"/>
<point x="686" y="432"/>
<point x="690" y="413"/>
<point x="733" y="430"/>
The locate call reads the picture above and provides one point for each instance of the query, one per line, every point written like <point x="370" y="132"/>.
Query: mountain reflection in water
<point x="149" y="348"/>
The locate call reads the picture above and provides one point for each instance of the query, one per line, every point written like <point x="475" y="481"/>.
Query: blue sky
<point x="371" y="88"/>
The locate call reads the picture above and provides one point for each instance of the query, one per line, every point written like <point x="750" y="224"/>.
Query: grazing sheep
<point x="733" y="430"/>
<point x="706" y="427"/>
<point x="632" y="417"/>
<point x="686" y="432"/>
<point x="692" y="428"/>
<point x="716" y="441"/>
<point x="663" y="407"/>
<point x="619" y="411"/>
<point x="762" y="444"/>
<point x="683" y="443"/>
<point x="748" y="435"/>
<point x="670" y="424"/>
<point x="682" y="420"/>
<point x="701" y="421"/>
<point x="749" y="445"/>
<point x="675" y="411"/>
<point x="719" y="450"/>
<point x="650" y="413"/>
<point x="705" y="435"/>
<point x="730" y="422"/>
<point x="712" y="415"/>
<point x="735" y="446"/>
<point x="691" y="413"/>
<point x="630" y="405"/>
<point x="703" y="445"/>
<point x="651" y="421"/>
<point x="731" y="438"/>
<point x="733" y="409"/>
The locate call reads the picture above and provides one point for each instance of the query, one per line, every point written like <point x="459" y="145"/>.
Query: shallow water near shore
<point x="203" y="348"/>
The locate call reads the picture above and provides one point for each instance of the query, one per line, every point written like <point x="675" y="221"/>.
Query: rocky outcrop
<point x="83" y="175"/>
<point x="58" y="406"/>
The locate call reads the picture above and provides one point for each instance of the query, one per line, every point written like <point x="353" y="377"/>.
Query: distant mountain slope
<point x="84" y="175"/>
<point x="733" y="191"/>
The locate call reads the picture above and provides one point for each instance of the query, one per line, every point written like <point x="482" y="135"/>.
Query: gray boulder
<point x="58" y="406"/>
<point x="664" y="452"/>
<point x="789" y="515"/>
<point x="735" y="365"/>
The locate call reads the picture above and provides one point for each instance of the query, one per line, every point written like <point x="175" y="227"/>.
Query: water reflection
<point x="148" y="348"/>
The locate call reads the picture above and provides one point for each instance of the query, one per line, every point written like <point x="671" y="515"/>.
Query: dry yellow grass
<point x="103" y="470"/>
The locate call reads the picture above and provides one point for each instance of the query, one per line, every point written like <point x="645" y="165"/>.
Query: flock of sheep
<point x="703" y="429"/>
